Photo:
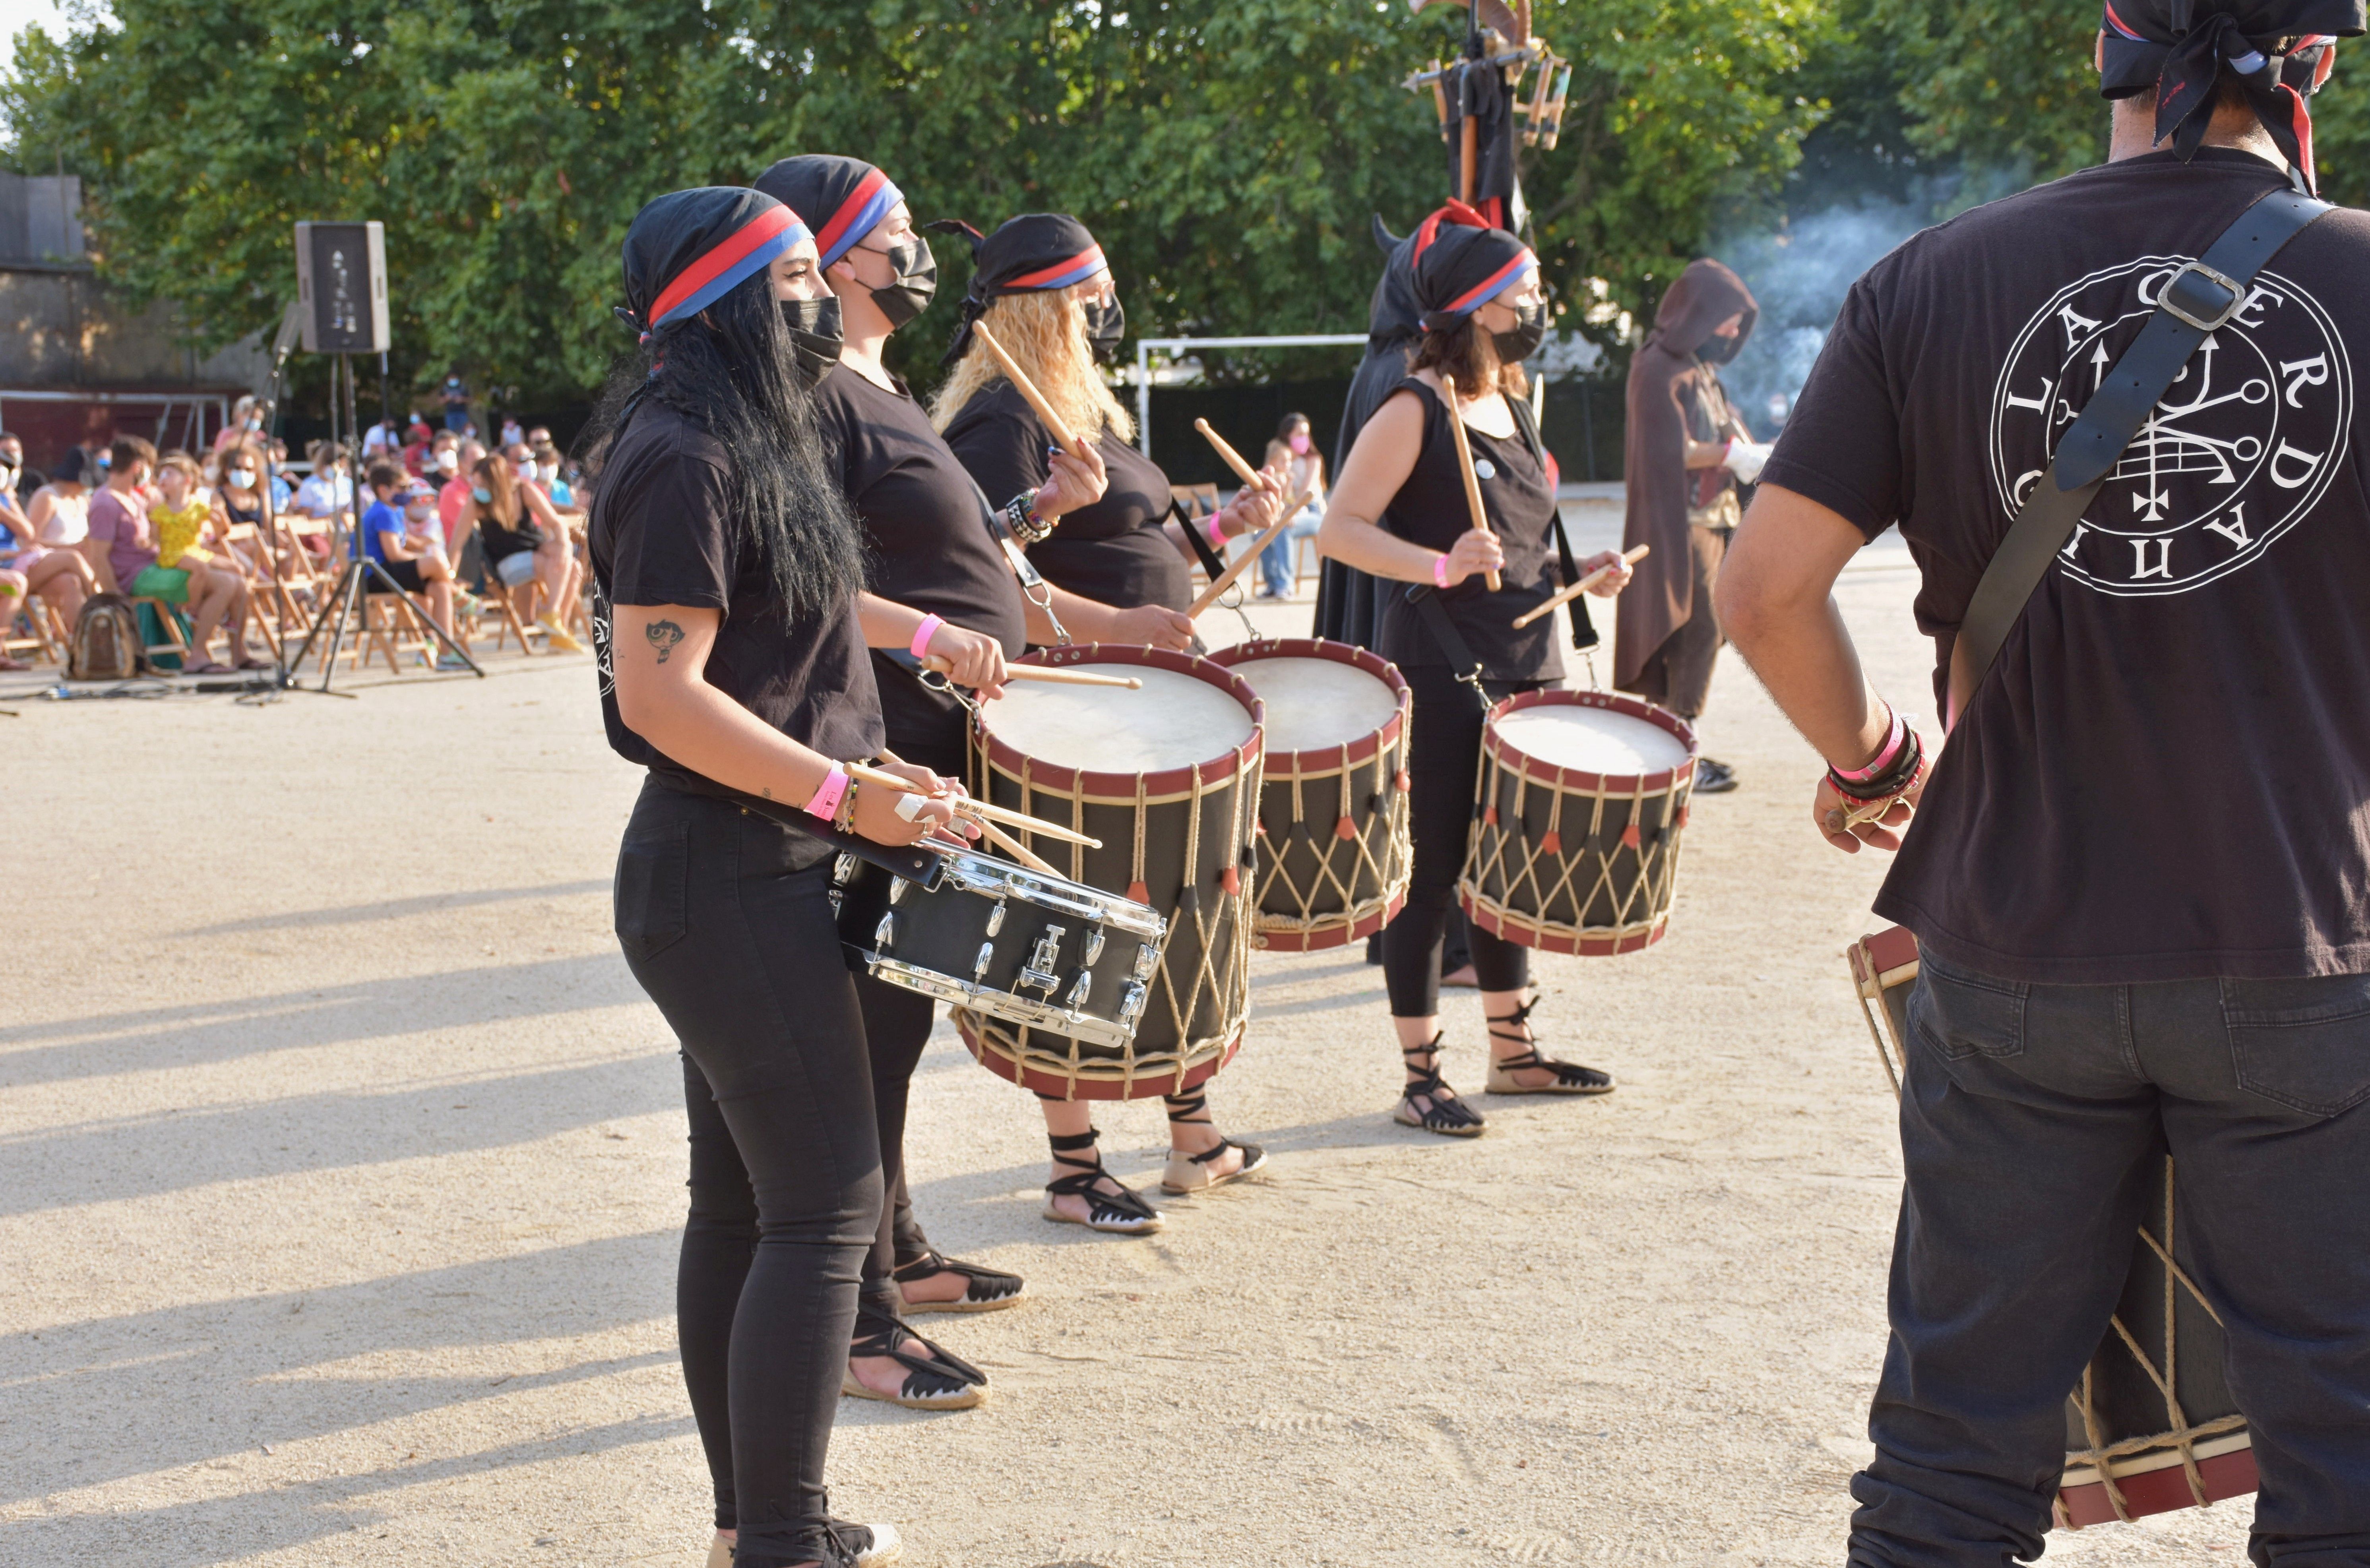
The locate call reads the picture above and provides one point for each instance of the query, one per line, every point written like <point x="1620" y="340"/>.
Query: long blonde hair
<point x="1045" y="333"/>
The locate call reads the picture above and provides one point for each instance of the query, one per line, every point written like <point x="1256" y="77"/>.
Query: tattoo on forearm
<point x="663" y="635"/>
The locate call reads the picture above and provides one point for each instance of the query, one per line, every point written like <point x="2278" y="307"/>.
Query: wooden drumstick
<point x="1015" y="849"/>
<point x="978" y="811"/>
<point x="1243" y="471"/>
<point x="942" y="663"/>
<point x="1019" y="378"/>
<point x="1465" y="465"/>
<point x="1225" y="579"/>
<point x="1565" y="596"/>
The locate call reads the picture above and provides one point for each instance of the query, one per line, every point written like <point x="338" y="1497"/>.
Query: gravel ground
<point x="340" y="1167"/>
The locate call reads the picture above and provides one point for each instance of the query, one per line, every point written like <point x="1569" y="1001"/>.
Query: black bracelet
<point x="1020" y="517"/>
<point x="1888" y="784"/>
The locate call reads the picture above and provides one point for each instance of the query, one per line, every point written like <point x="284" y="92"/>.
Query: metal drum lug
<point x="885" y="932"/>
<point x="1093" y="946"/>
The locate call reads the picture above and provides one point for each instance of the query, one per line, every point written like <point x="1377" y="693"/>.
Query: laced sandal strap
<point x="1447" y="1108"/>
<point x="934" y="1261"/>
<point x="1209" y="1154"/>
<point x="1121" y="1202"/>
<point x="1186" y="1108"/>
<point x="1429" y="1048"/>
<point x="1071" y="1141"/>
<point x="881" y="1333"/>
<point x="1520" y="1018"/>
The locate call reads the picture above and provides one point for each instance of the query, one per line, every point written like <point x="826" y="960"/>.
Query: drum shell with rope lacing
<point x="1176" y="835"/>
<point x="1333" y="856"/>
<point x="1569" y="859"/>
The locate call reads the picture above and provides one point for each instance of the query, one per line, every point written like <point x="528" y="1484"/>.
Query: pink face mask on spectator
<point x="1299" y="444"/>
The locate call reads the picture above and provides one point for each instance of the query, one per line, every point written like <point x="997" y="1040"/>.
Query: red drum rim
<point x="1525" y="933"/>
<point x="1316" y="941"/>
<point x="1505" y="753"/>
<point x="1144" y="1087"/>
<point x="1230" y="764"/>
<point x="1374" y="664"/>
<point x="2161" y="1489"/>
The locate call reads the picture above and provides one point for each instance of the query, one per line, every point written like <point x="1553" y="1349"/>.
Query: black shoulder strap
<point x="1583" y="629"/>
<point x="2198" y="298"/>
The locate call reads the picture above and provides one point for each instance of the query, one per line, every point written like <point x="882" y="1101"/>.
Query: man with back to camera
<point x="2136" y="877"/>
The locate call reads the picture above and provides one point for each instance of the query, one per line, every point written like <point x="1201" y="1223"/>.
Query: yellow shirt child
<point x="176" y="534"/>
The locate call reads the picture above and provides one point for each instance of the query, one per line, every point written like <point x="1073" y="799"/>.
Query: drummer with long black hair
<point x="1400" y="512"/>
<point x="932" y="541"/>
<point x="1042" y="285"/>
<point x="727" y="573"/>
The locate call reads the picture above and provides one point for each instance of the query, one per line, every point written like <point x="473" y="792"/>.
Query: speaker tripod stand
<point x="364" y="573"/>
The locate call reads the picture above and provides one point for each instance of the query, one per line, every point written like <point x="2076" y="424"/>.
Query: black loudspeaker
<point x="341" y="287"/>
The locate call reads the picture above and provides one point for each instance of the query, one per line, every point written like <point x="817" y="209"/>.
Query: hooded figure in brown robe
<point x="1684" y="447"/>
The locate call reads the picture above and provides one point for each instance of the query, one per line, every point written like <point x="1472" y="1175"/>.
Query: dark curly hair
<point x="1465" y="358"/>
<point x="731" y="369"/>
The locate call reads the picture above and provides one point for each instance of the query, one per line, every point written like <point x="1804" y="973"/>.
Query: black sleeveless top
<point x="1430" y="510"/>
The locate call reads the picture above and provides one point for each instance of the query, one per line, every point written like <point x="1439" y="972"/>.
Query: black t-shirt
<point x="1430" y="509"/>
<point x="501" y="543"/>
<point x="663" y="533"/>
<point x="2165" y="775"/>
<point x="930" y="541"/>
<point x="1115" y="551"/>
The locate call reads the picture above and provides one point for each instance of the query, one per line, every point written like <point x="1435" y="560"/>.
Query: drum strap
<point x="1435" y="618"/>
<point x="1583" y="630"/>
<point x="2198" y="298"/>
<point x="1033" y="587"/>
<point x="913" y="863"/>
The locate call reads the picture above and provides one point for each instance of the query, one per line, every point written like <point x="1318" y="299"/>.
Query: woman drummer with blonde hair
<point x="1045" y="291"/>
<point x="1400" y="512"/>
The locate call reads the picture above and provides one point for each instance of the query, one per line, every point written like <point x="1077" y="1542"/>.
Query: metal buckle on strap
<point x="2236" y="290"/>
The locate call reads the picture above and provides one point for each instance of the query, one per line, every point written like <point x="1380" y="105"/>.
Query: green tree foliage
<point x="2006" y="92"/>
<point x="1226" y="154"/>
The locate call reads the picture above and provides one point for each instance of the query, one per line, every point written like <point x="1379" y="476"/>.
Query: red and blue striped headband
<point x="748" y="249"/>
<point x="871" y="201"/>
<point x="1489" y="288"/>
<point x="1062" y="274"/>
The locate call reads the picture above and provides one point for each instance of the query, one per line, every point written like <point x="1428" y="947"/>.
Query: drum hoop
<point x="1234" y="763"/>
<point x="1506" y="754"/>
<point x="1548" y="936"/>
<point x="1316" y="761"/>
<point x="1104" y="1079"/>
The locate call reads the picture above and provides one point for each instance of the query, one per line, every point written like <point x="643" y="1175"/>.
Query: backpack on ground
<point x="106" y="645"/>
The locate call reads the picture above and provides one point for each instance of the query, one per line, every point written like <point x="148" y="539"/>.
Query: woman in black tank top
<point x="1400" y="512"/>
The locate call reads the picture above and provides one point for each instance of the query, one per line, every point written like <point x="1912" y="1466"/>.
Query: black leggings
<point x="724" y="920"/>
<point x="1444" y="765"/>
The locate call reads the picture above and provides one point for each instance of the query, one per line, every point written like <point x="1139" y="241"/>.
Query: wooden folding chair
<point x="259" y="613"/>
<point x="169" y="617"/>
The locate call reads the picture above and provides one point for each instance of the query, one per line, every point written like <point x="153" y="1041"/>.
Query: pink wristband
<point x="923" y="632"/>
<point x="825" y="803"/>
<point x="1894" y="739"/>
<point x="1439" y="571"/>
<point x="1217" y="531"/>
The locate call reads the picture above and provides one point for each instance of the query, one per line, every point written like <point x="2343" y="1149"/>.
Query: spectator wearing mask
<point x="381" y="438"/>
<point x="455" y="466"/>
<point x="399" y="532"/>
<point x="246" y="498"/>
<point x="123" y="552"/>
<point x="1304" y="466"/>
<point x="457" y="401"/>
<point x="24" y="479"/>
<point x="416" y="444"/>
<point x="512" y="435"/>
<point x="246" y="420"/>
<point x="502" y="512"/>
<point x="547" y="475"/>
<point x="328" y="493"/>
<point x="562" y="531"/>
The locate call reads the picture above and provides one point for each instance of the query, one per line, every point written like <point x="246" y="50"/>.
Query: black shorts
<point x="406" y="574"/>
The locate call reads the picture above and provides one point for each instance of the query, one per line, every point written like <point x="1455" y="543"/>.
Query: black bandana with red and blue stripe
<point x="2279" y="52"/>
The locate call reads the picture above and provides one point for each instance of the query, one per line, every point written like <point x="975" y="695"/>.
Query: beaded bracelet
<point x="843" y="819"/>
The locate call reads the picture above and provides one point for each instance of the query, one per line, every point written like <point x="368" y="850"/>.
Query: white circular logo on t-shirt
<point x="2237" y="452"/>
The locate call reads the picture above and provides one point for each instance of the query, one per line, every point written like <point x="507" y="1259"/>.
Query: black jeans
<point x="2030" y="1124"/>
<point x="724" y="920"/>
<point x="1443" y="768"/>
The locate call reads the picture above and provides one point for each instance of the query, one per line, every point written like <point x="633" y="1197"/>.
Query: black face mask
<point x="1106" y="325"/>
<point x="916" y="284"/>
<point x="1530" y="329"/>
<point x="815" y="331"/>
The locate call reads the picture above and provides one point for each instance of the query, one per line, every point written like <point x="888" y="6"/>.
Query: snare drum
<point x="1004" y="941"/>
<point x="1333" y="858"/>
<point x="1583" y="798"/>
<point x="1167" y="778"/>
<point x="2153" y="1426"/>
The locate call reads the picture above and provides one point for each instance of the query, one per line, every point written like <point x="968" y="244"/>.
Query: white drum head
<point x="1317" y="703"/>
<point x="1174" y="722"/>
<point x="1591" y="740"/>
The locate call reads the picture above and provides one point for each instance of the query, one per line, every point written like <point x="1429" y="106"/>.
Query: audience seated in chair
<point x="123" y="552"/>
